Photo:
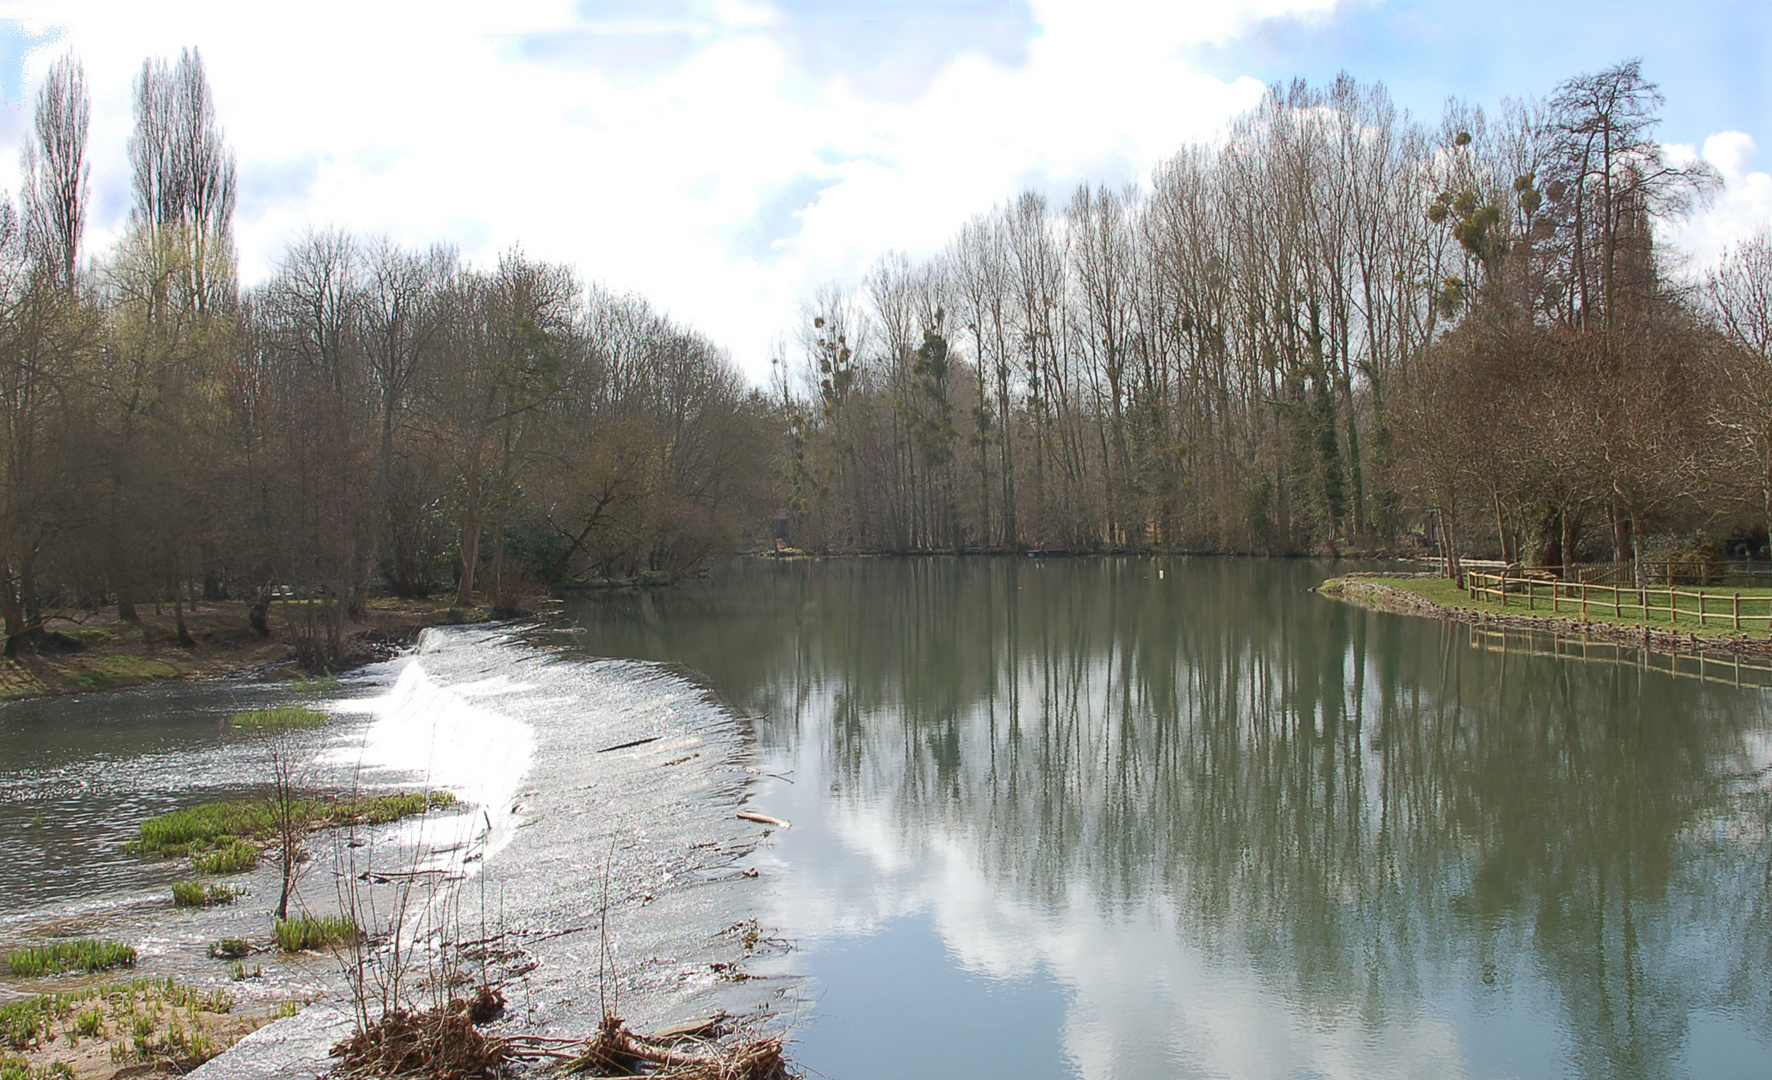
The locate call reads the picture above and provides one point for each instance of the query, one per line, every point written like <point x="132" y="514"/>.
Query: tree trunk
<point x="1571" y="523"/>
<point x="470" y="540"/>
<point x="178" y="619"/>
<point x="12" y="611"/>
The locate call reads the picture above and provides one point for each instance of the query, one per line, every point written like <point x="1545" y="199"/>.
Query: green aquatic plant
<point x="60" y="956"/>
<point x="230" y="948"/>
<point x="234" y="857"/>
<point x="197" y="894"/>
<point x="281" y="718"/>
<point x="318" y="684"/>
<point x="303" y="933"/>
<point x="221" y="824"/>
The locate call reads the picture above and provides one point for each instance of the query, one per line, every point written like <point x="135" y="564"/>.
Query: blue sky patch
<point x="1709" y="58"/>
<point x="779" y="217"/>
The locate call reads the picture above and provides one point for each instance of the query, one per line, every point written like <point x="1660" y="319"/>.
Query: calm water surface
<point x="1130" y="818"/>
<point x="1097" y="818"/>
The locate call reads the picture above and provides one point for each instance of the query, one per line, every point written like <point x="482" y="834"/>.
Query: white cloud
<point x="453" y="121"/>
<point x="1730" y="152"/>
<point x="1742" y="207"/>
<point x="651" y="144"/>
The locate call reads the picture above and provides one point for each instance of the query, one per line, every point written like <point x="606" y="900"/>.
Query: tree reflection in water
<point x="1351" y="805"/>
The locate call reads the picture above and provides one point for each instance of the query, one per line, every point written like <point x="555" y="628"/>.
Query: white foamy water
<point x="453" y="738"/>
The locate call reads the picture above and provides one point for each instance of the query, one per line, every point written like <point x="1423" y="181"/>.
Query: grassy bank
<point x="1428" y="596"/>
<point x="98" y="651"/>
<point x="231" y="829"/>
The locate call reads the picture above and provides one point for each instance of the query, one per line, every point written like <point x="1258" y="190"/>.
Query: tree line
<point x="1338" y="328"/>
<point x="372" y="417"/>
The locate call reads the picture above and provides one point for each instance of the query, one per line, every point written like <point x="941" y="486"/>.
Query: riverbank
<point x="99" y="651"/>
<point x="1438" y="597"/>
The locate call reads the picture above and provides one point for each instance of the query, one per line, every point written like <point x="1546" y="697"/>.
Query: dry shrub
<point x="617" y="1051"/>
<point x="435" y="1044"/>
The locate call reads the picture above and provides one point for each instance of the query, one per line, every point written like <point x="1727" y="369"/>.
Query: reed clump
<point x="304" y="933"/>
<point x="281" y="718"/>
<point x="234" y="857"/>
<point x="57" y="957"/>
<point x="211" y="826"/>
<point x="231" y="948"/>
<point x="197" y="894"/>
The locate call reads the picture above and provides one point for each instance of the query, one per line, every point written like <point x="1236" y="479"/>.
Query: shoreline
<point x="1379" y="592"/>
<point x="97" y="651"/>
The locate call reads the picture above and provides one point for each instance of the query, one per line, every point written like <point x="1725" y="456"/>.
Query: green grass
<point x="106" y="672"/>
<point x="18" y="1069"/>
<point x="28" y="1022"/>
<point x="282" y="718"/>
<point x="230" y="948"/>
<point x="197" y="894"/>
<point x="60" y="956"/>
<point x="152" y="1021"/>
<point x="23" y="1023"/>
<point x="306" y="932"/>
<point x="90" y="1023"/>
<point x="318" y="684"/>
<point x="381" y="809"/>
<point x="223" y="825"/>
<point x="233" y="857"/>
<point x="1447" y="594"/>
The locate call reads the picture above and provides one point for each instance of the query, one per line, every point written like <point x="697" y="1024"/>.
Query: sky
<point x="723" y="157"/>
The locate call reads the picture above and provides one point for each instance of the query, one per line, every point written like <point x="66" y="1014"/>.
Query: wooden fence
<point x="1664" y="573"/>
<point x="1623" y="601"/>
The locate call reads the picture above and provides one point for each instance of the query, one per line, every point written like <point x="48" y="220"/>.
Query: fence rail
<point x="1623" y="601"/>
<point x="1655" y="572"/>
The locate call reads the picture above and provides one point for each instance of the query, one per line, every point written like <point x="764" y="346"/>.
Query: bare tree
<point x="57" y="173"/>
<point x="183" y="174"/>
<point x="1739" y="290"/>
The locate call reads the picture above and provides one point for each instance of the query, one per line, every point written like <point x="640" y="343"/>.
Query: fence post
<point x="1673" y="603"/>
<point x="1738" y="617"/>
<point x="1617" y="605"/>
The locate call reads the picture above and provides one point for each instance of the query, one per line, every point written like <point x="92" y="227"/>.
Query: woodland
<point x="1334" y="329"/>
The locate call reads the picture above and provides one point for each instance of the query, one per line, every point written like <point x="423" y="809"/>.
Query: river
<point x="1105" y="818"/>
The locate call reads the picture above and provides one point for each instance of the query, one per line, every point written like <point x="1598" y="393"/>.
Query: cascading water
<point x="594" y="834"/>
